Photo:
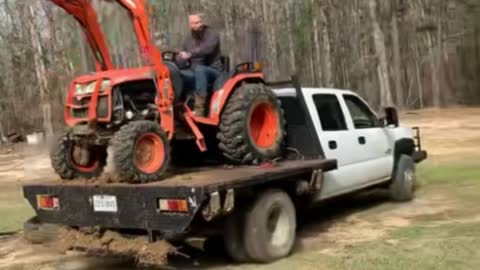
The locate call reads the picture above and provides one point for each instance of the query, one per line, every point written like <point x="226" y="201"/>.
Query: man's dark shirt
<point x="205" y="48"/>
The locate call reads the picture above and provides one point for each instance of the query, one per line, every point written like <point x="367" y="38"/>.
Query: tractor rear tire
<point x="63" y="160"/>
<point x="252" y="126"/>
<point x="131" y="144"/>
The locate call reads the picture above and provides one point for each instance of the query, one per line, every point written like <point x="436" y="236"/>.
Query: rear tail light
<point x="172" y="205"/>
<point x="48" y="202"/>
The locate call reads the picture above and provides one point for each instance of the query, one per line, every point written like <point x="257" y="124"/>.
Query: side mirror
<point x="391" y="117"/>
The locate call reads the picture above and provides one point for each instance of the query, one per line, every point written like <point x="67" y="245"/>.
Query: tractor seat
<point x="224" y="75"/>
<point x="220" y="81"/>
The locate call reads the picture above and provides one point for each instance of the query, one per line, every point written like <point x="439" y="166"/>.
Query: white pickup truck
<point x="368" y="150"/>
<point x="335" y="145"/>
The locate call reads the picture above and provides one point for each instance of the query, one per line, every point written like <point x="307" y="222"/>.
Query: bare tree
<point x="381" y="51"/>
<point x="40" y="71"/>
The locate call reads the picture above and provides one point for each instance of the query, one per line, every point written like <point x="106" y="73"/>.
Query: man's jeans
<point x="199" y="78"/>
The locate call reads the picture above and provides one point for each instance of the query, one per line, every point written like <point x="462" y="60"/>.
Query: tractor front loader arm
<point x="86" y="16"/>
<point x="165" y="95"/>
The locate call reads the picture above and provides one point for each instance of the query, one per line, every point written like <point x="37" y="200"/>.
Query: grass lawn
<point x="14" y="210"/>
<point x="435" y="243"/>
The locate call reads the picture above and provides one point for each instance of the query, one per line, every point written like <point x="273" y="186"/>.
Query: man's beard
<point x="198" y="34"/>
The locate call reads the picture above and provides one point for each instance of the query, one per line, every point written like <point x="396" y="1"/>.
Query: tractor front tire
<point x="65" y="165"/>
<point x="252" y="126"/>
<point x="141" y="152"/>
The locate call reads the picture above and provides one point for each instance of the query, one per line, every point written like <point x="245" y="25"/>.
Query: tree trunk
<point x="397" y="73"/>
<point x="3" y="138"/>
<point x="327" y="51"/>
<point x="318" y="76"/>
<point x="419" y="79"/>
<point x="40" y="71"/>
<point x="291" y="44"/>
<point x="434" y="71"/>
<point x="382" y="65"/>
<point x="269" y="19"/>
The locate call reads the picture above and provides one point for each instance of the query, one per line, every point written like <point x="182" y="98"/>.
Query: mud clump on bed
<point x="109" y="243"/>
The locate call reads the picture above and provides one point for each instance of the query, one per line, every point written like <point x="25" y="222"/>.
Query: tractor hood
<point x="118" y="76"/>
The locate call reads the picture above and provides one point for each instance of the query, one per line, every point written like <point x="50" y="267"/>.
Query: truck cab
<point x="365" y="146"/>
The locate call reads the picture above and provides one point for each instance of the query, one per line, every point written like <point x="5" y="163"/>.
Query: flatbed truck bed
<point x="137" y="206"/>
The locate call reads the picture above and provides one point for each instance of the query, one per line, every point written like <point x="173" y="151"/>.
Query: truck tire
<point x="234" y="237"/>
<point x="270" y="227"/>
<point x="252" y="125"/>
<point x="65" y="164"/>
<point x="40" y="233"/>
<point x="141" y="152"/>
<point x="402" y="186"/>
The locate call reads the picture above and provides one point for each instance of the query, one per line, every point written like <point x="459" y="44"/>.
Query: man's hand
<point x="185" y="55"/>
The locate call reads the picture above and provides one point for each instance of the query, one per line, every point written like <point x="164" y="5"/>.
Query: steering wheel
<point x="170" y="55"/>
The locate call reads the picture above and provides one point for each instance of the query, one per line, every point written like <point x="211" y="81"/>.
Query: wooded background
<point x="410" y="53"/>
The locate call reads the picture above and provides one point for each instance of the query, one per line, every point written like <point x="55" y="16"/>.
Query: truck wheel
<point x="40" y="233"/>
<point x="67" y="164"/>
<point x="402" y="186"/>
<point x="270" y="227"/>
<point x="234" y="237"/>
<point x="141" y="152"/>
<point x="252" y="126"/>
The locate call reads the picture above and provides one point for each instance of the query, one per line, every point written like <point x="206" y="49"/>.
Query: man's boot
<point x="199" y="106"/>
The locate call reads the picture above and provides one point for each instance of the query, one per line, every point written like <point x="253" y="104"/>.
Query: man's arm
<point x="212" y="41"/>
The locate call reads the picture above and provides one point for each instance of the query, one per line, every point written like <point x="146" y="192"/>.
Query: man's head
<point x="195" y="22"/>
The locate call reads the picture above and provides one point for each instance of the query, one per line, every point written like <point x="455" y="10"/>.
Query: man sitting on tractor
<point x="201" y="50"/>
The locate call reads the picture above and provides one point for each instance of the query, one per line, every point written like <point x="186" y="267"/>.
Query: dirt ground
<point x="438" y="230"/>
<point x="447" y="134"/>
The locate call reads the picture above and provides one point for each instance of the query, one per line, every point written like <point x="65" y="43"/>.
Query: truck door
<point x="371" y="140"/>
<point x="337" y="141"/>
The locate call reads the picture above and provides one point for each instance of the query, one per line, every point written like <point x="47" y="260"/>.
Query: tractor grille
<point x="82" y="102"/>
<point x="80" y="113"/>
<point x="102" y="107"/>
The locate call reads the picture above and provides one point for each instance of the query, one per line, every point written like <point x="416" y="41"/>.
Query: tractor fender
<point x="221" y="96"/>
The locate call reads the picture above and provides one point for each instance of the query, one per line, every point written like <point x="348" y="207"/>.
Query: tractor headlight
<point x="85" y="89"/>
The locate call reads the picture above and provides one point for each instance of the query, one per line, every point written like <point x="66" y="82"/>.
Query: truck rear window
<point x="330" y="112"/>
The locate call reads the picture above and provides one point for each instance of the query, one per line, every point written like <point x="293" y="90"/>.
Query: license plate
<point x="105" y="203"/>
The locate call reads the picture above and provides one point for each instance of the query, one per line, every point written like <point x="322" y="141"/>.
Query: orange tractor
<point x="134" y="111"/>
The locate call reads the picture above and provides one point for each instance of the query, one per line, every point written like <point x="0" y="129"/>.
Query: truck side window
<point x="330" y="112"/>
<point x="362" y="116"/>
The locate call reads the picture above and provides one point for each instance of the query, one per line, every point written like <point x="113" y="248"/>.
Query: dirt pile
<point x="110" y="243"/>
